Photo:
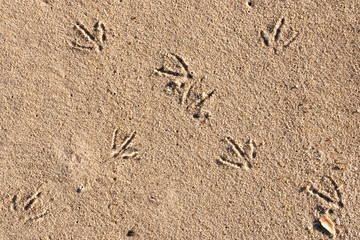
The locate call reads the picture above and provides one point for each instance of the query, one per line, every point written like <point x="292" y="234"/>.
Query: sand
<point x="179" y="119"/>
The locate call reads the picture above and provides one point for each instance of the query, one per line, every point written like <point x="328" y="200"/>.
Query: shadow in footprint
<point x="318" y="227"/>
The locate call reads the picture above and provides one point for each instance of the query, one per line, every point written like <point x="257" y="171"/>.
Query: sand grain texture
<point x="179" y="119"/>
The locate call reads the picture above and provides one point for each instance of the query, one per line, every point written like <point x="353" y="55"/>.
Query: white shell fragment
<point x="328" y="224"/>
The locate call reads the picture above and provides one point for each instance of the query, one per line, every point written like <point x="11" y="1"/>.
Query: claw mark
<point x="202" y="100"/>
<point x="104" y="38"/>
<point x="337" y="190"/>
<point x="278" y="27"/>
<point x="75" y="45"/>
<point x="36" y="217"/>
<point x="189" y="94"/>
<point x="99" y="29"/>
<point x="113" y="144"/>
<point x="27" y="207"/>
<point x="13" y="200"/>
<point x="224" y="161"/>
<point x="186" y="94"/>
<point x="275" y="40"/>
<point x="81" y="28"/>
<point x="184" y="65"/>
<point x="243" y="152"/>
<point x="198" y="103"/>
<point x="31" y="200"/>
<point x="126" y="142"/>
<point x="333" y="202"/>
<point x="235" y="146"/>
<point x="177" y="74"/>
<point x="331" y="198"/>
<point x="288" y="42"/>
<point x="98" y="38"/>
<point x="122" y="150"/>
<point x="314" y="191"/>
<point x="265" y="39"/>
<point x="130" y="155"/>
<point x="163" y="70"/>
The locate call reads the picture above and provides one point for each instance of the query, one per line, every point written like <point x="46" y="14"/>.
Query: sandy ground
<point x="179" y="119"/>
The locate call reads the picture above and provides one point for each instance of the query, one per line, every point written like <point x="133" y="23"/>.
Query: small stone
<point x="337" y="221"/>
<point x="130" y="233"/>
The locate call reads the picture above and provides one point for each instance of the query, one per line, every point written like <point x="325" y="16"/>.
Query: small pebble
<point x="337" y="221"/>
<point x="130" y="233"/>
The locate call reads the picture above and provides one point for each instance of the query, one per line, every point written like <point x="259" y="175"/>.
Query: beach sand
<point x="179" y="119"/>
